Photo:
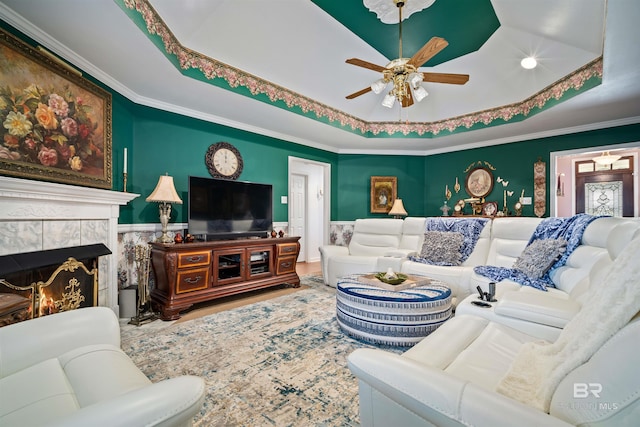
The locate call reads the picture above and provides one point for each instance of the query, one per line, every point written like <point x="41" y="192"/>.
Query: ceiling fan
<point x="404" y="74"/>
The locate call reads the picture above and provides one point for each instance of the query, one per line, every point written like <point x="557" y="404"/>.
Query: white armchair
<point x="67" y="369"/>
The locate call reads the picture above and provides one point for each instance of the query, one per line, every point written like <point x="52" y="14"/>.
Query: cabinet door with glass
<point x="228" y="266"/>
<point x="259" y="262"/>
<point x="237" y="265"/>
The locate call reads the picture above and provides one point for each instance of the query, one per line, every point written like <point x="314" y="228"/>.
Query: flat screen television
<point x="224" y="209"/>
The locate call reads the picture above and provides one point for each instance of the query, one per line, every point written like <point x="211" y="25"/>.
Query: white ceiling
<point x="295" y="44"/>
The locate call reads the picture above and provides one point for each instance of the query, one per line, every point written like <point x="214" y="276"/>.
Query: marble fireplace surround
<point x="37" y="216"/>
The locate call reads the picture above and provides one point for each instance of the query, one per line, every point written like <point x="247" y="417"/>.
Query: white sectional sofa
<point x="377" y="244"/>
<point x="501" y="242"/>
<point x="545" y="314"/>
<point x="463" y="373"/>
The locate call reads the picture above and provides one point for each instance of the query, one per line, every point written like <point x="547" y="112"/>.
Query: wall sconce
<point x="397" y="210"/>
<point x="164" y="194"/>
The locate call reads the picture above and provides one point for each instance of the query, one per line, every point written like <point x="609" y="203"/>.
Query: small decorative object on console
<point x="490" y="209"/>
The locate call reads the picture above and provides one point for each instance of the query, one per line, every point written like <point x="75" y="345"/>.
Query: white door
<point x="298" y="214"/>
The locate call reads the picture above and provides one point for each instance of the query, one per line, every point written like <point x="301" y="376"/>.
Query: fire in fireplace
<point x="48" y="282"/>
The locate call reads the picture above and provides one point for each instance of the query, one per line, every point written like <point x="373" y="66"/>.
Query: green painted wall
<point x="354" y="177"/>
<point x="170" y="143"/>
<point x="513" y="163"/>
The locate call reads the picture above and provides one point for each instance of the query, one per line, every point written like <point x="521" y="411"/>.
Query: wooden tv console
<point x="187" y="273"/>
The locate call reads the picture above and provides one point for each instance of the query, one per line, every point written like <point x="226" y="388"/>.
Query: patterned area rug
<point x="280" y="362"/>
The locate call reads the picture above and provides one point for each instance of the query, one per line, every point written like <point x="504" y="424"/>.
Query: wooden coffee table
<point x="392" y="317"/>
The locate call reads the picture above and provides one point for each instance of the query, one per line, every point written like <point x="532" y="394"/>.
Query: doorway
<point x="564" y="173"/>
<point x="309" y="205"/>
<point x="605" y="189"/>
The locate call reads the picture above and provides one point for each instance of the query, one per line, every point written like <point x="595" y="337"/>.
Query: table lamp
<point x="397" y="210"/>
<point x="165" y="194"/>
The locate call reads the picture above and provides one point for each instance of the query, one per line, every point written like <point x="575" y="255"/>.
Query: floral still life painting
<point x="55" y="125"/>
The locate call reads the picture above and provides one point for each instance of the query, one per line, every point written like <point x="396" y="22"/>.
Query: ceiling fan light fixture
<point x="389" y="100"/>
<point x="414" y="80"/>
<point x="529" y="63"/>
<point x="420" y="93"/>
<point x="378" y="86"/>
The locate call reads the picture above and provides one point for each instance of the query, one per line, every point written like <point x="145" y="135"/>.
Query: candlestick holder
<point x="124" y="179"/>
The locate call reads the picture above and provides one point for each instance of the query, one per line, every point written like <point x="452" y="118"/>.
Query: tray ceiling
<point x="278" y="68"/>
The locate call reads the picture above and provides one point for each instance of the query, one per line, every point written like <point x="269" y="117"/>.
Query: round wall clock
<point x="224" y="161"/>
<point x="479" y="182"/>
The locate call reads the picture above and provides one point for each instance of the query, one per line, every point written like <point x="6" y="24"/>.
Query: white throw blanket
<point x="540" y="366"/>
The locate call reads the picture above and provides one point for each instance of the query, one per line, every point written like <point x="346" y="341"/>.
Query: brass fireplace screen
<point x="35" y="284"/>
<point x="70" y="286"/>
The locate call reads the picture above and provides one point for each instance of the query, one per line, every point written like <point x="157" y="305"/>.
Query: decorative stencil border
<point x="224" y="75"/>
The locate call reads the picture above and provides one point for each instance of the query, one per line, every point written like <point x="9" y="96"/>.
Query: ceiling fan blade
<point x="454" y="79"/>
<point x="428" y="51"/>
<point x="358" y="93"/>
<point x="365" y="64"/>
<point x="407" y="101"/>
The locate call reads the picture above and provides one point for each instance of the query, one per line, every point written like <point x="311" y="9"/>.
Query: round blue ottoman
<point x="398" y="318"/>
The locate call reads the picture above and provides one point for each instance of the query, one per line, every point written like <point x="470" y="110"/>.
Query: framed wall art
<point x="479" y="182"/>
<point x="56" y="125"/>
<point x="384" y="190"/>
<point x="490" y="209"/>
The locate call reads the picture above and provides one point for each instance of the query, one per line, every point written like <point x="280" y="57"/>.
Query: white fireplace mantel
<point x="37" y="215"/>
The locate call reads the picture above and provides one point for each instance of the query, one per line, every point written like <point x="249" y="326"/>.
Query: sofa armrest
<point x="435" y="396"/>
<point x="333" y="250"/>
<point x="173" y="402"/>
<point x="26" y="343"/>
<point x="537" y="307"/>
<point x="326" y="252"/>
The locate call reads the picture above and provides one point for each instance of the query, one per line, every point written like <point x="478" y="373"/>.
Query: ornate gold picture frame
<point x="56" y="125"/>
<point x="384" y="190"/>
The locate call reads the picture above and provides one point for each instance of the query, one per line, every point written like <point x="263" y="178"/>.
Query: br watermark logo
<point x="590" y="391"/>
<point x="584" y="390"/>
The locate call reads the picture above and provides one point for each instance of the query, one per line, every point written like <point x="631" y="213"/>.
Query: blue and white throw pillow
<point x="538" y="257"/>
<point x="441" y="248"/>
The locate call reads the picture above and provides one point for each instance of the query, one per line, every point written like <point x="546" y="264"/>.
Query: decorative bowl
<point x="396" y="281"/>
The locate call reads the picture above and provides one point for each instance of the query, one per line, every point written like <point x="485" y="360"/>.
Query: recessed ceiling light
<point x="529" y="63"/>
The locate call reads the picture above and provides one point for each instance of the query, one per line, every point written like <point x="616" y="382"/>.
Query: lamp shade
<point x="165" y="191"/>
<point x="398" y="208"/>
<point x="606" y="158"/>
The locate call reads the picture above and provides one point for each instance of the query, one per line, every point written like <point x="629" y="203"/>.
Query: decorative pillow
<point x="442" y="247"/>
<point x="538" y="257"/>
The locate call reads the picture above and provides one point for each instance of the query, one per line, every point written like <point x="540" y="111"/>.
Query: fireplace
<point x="48" y="282"/>
<point x="41" y="216"/>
